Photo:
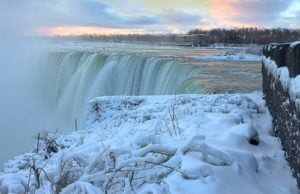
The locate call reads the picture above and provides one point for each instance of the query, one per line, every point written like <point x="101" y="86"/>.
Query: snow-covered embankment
<point x="281" y="86"/>
<point x="159" y="144"/>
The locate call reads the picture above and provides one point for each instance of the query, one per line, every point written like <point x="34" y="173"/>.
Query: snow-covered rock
<point x="291" y="85"/>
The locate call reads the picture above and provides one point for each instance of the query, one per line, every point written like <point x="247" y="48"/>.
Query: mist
<point x="21" y="116"/>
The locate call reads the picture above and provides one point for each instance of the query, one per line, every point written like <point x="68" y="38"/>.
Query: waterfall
<point x="68" y="80"/>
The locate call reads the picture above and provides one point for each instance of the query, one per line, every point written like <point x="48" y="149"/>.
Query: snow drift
<point x="159" y="144"/>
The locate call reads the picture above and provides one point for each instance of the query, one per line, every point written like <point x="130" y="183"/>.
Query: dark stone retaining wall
<point x="286" y="118"/>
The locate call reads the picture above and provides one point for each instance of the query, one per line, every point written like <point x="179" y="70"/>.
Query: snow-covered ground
<point x="159" y="144"/>
<point x="232" y="56"/>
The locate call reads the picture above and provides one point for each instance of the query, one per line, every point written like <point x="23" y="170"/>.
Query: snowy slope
<point x="159" y="144"/>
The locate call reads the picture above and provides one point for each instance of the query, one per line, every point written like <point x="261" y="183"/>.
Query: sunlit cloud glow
<point x="79" y="30"/>
<point x="65" y="17"/>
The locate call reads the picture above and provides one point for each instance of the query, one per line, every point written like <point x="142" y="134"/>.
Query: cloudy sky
<point x="149" y="16"/>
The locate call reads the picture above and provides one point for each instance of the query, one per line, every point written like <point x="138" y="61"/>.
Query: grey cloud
<point x="87" y="13"/>
<point x="179" y="17"/>
<point x="259" y="11"/>
<point x="47" y="13"/>
<point x="293" y="21"/>
<point x="95" y="13"/>
<point x="37" y="13"/>
<point x="142" y="20"/>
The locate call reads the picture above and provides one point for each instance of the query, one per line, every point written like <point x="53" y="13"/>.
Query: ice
<point x="294" y="44"/>
<point x="81" y="187"/>
<point x="232" y="56"/>
<point x="291" y="85"/>
<point x="160" y="144"/>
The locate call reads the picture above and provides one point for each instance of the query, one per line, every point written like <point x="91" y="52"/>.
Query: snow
<point x="294" y="44"/>
<point x="159" y="144"/>
<point x="232" y="56"/>
<point x="292" y="85"/>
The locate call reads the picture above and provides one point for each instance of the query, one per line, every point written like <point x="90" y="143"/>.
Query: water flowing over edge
<point x="68" y="80"/>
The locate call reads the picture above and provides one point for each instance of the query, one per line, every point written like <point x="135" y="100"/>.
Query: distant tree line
<point x="160" y="39"/>
<point x="248" y="35"/>
<point x="198" y="37"/>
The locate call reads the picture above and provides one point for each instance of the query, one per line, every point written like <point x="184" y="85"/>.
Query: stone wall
<point x="286" y="115"/>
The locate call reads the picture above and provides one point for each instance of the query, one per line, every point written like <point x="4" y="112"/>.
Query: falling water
<point x="68" y="80"/>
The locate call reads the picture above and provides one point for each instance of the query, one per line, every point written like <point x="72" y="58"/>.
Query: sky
<point x="73" y="17"/>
